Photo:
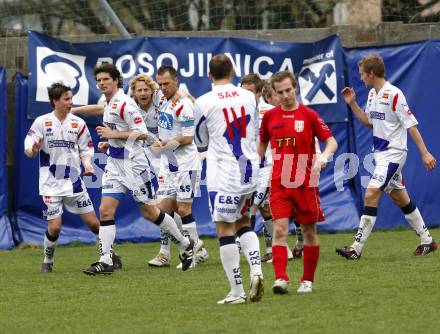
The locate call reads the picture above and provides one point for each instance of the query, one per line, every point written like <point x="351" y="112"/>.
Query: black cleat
<point x="266" y="257"/>
<point x="425" y="248"/>
<point x="99" y="268"/>
<point x="348" y="252"/>
<point x="187" y="256"/>
<point x="117" y="263"/>
<point x="46" y="267"/>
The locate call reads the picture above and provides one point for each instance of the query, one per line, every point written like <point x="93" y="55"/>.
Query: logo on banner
<point x="55" y="66"/>
<point x="318" y="84"/>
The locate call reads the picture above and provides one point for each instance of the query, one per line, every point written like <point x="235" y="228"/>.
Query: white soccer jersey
<point x="227" y="122"/>
<point x="176" y="119"/>
<point x="390" y="116"/>
<point x="122" y="113"/>
<point x="63" y="145"/>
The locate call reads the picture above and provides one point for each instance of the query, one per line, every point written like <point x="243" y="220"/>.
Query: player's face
<point x="142" y="94"/>
<point x="106" y="84"/>
<point x="64" y="104"/>
<point x="273" y="98"/>
<point x="285" y="92"/>
<point x="367" y="78"/>
<point x="167" y="84"/>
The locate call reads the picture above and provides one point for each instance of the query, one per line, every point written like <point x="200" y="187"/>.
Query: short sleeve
<point x="185" y="117"/>
<point x="402" y="111"/>
<point x="264" y="129"/>
<point x="34" y="134"/>
<point x="318" y="126"/>
<point x="85" y="143"/>
<point x="133" y="117"/>
<point x="201" y="136"/>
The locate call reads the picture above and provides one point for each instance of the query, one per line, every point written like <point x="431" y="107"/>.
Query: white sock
<point x="189" y="227"/>
<point x="178" y="220"/>
<point x="416" y="221"/>
<point x="107" y="234"/>
<point x="49" y="249"/>
<point x="230" y="258"/>
<point x="169" y="226"/>
<point x="251" y="249"/>
<point x="165" y="244"/>
<point x="365" y="227"/>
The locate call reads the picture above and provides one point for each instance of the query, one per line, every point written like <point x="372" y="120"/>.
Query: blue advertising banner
<point x="318" y="66"/>
<point x="6" y="241"/>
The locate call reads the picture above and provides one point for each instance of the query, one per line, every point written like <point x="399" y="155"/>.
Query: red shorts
<point x="302" y="204"/>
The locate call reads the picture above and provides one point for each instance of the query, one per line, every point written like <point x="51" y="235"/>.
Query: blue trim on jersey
<point x="380" y="144"/>
<point x="44" y="159"/>
<point x="118" y="196"/>
<point x="391" y="170"/>
<point x="116" y="152"/>
<point x="202" y="119"/>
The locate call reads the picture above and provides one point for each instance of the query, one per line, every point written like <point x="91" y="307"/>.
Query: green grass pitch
<point x="387" y="291"/>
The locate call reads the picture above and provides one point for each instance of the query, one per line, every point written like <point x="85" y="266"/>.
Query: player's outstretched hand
<point x="319" y="164"/>
<point x="349" y="95"/>
<point x="103" y="146"/>
<point x="104" y="131"/>
<point x="429" y="161"/>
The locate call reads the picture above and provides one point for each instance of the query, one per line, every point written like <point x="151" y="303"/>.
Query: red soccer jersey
<point x="292" y="138"/>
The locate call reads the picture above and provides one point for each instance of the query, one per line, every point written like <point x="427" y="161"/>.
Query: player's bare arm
<point x="90" y="110"/>
<point x="87" y="164"/>
<point x="106" y="132"/>
<point x="428" y="159"/>
<point x="32" y="152"/>
<point x="350" y="98"/>
<point x="321" y="162"/>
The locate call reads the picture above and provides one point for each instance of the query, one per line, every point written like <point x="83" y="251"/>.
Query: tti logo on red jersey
<point x="285" y="142"/>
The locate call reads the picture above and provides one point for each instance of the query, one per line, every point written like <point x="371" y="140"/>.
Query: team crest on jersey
<point x="74" y="125"/>
<point x="385" y="95"/>
<point x="114" y="105"/>
<point x="90" y="144"/>
<point x="48" y="123"/>
<point x="299" y="126"/>
<point x="138" y="120"/>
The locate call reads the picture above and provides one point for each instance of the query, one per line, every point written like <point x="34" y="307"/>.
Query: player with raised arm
<point x="291" y="128"/>
<point x="127" y="169"/>
<point x="63" y="142"/>
<point x="387" y="112"/>
<point x="227" y="124"/>
<point x="180" y="168"/>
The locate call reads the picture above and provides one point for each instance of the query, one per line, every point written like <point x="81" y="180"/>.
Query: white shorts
<point x="180" y="186"/>
<point x="228" y="208"/>
<point x="387" y="175"/>
<point x="122" y="175"/>
<point x="78" y="204"/>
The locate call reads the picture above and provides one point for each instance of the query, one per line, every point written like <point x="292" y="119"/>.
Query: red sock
<point x="279" y="261"/>
<point x="311" y="256"/>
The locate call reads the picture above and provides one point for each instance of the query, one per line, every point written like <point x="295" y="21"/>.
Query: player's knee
<point x="106" y="213"/>
<point x="184" y="209"/>
<point x="54" y="228"/>
<point x="149" y="212"/>
<point x="372" y="197"/>
<point x="280" y="231"/>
